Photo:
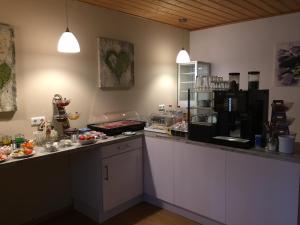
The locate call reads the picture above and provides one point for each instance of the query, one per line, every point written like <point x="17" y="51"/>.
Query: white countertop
<point x="42" y="153"/>
<point x="253" y="151"/>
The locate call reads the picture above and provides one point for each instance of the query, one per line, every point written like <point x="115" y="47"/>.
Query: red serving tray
<point x="118" y="127"/>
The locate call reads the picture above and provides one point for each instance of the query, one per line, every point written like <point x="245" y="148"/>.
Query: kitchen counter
<point x="166" y="159"/>
<point x="253" y="151"/>
<point x="42" y="153"/>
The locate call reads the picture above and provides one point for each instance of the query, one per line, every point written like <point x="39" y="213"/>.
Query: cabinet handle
<point x="106" y="176"/>
<point x="125" y="146"/>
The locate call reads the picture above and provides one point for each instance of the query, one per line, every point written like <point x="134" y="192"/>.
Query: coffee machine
<point x="240" y="115"/>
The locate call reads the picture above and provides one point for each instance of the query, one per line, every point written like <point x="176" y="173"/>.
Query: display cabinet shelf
<point x="187" y="74"/>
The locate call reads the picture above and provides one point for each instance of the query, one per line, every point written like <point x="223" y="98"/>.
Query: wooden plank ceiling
<point x="200" y="14"/>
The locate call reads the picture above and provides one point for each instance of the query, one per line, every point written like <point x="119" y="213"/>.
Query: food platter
<point x="19" y="154"/>
<point x="3" y="158"/>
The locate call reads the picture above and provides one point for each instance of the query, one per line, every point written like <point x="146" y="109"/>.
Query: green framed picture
<point x="7" y="69"/>
<point x="116" y="63"/>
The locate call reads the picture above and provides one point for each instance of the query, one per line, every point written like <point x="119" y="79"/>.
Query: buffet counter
<point x="198" y="180"/>
<point x="42" y="153"/>
<point x="253" y="151"/>
<point x="215" y="181"/>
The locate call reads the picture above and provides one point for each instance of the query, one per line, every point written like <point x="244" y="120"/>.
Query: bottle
<point x="14" y="145"/>
<point x="170" y="110"/>
<point x="161" y="108"/>
<point x="178" y="114"/>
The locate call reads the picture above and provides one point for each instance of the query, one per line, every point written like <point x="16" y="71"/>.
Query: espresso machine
<point x="237" y="117"/>
<point x="240" y="116"/>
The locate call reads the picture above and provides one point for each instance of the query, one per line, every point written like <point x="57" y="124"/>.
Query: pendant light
<point x="183" y="55"/>
<point x="67" y="42"/>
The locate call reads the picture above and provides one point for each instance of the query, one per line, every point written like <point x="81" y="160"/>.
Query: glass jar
<point x="271" y="144"/>
<point x="6" y="140"/>
<point x="205" y="82"/>
<point x="235" y="77"/>
<point x="19" y="139"/>
<point x="253" y="80"/>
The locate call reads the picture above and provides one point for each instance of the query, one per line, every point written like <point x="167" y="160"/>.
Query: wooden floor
<point x="142" y="214"/>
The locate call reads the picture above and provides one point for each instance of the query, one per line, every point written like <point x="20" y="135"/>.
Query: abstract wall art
<point x="116" y="63"/>
<point x="7" y="69"/>
<point x="288" y="64"/>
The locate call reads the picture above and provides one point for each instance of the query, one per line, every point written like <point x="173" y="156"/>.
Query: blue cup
<point x="258" y="140"/>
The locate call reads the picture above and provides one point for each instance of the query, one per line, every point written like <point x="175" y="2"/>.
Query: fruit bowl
<point x="86" y="139"/>
<point x="22" y="153"/>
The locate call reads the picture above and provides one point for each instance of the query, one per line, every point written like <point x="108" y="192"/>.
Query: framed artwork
<point x="7" y="69"/>
<point x="116" y="63"/>
<point x="288" y="64"/>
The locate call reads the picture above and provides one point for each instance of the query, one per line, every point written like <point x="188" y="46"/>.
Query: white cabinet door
<point x="122" y="178"/>
<point x="261" y="191"/>
<point x="158" y="168"/>
<point x="199" y="180"/>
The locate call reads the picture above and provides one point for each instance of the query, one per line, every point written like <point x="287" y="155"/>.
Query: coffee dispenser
<point x="240" y="115"/>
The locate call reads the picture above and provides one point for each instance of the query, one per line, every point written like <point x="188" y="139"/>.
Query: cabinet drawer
<point x="121" y="147"/>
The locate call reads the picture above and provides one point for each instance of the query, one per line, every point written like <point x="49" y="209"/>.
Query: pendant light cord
<point x="67" y="15"/>
<point x="183" y="20"/>
<point x="183" y="39"/>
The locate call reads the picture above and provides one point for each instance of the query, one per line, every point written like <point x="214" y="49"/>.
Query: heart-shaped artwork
<point x="118" y="63"/>
<point x="5" y="74"/>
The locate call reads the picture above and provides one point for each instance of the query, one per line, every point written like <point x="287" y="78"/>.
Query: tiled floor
<point x="142" y="214"/>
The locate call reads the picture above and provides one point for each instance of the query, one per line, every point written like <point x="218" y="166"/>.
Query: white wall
<point x="42" y="72"/>
<point x="250" y="46"/>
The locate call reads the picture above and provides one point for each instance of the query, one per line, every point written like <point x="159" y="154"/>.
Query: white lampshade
<point x="68" y="43"/>
<point x="183" y="56"/>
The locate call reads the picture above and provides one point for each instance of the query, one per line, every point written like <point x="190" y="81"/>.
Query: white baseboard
<point x="95" y="213"/>
<point x="107" y="215"/>
<point x="180" y="211"/>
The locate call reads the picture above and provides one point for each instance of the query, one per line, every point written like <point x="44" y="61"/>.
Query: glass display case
<point x="164" y="120"/>
<point x="202" y="118"/>
<point x="117" y="122"/>
<point x="187" y="76"/>
<point x="160" y="122"/>
<point x="202" y="111"/>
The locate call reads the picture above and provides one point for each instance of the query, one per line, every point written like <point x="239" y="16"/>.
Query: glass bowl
<point x="74" y="116"/>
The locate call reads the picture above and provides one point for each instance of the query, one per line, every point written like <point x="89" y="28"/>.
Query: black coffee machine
<point x="240" y="115"/>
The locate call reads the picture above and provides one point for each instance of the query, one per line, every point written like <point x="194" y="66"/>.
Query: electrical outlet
<point x="36" y="121"/>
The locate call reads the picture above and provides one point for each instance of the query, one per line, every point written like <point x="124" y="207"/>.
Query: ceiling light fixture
<point x="183" y="55"/>
<point x="67" y="42"/>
